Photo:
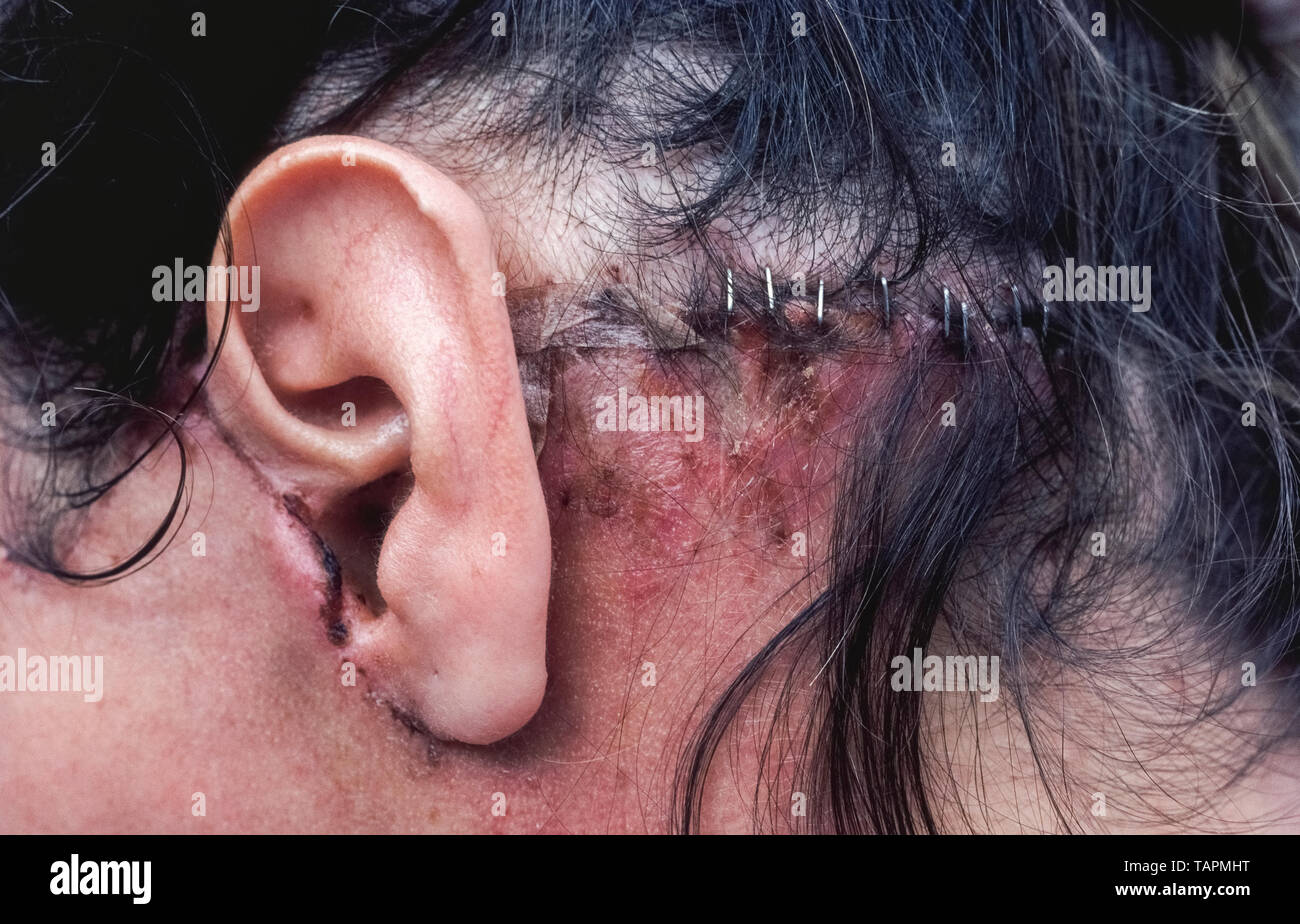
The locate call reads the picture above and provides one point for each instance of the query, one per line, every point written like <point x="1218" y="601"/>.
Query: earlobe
<point x="379" y="351"/>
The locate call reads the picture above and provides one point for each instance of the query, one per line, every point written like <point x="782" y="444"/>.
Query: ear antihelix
<point x="382" y="355"/>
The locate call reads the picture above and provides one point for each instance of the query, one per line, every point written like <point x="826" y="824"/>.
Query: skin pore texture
<point x="641" y="569"/>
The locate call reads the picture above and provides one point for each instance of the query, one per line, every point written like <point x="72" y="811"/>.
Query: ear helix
<point x="378" y="383"/>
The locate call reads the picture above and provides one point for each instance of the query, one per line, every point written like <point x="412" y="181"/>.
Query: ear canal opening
<point x="354" y="528"/>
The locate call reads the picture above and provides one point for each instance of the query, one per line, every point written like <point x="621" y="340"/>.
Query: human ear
<point x="380" y="354"/>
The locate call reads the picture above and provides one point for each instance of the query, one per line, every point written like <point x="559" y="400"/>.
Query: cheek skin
<point x="218" y="678"/>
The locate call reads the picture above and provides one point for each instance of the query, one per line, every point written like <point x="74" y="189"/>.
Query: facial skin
<point x="641" y="570"/>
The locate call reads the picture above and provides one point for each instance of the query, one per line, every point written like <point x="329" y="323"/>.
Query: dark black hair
<point x="1149" y="144"/>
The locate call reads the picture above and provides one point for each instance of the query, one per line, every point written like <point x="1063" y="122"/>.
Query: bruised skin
<point x="655" y="502"/>
<point x="676" y="561"/>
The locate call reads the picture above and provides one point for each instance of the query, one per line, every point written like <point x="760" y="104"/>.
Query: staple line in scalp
<point x="1009" y="312"/>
